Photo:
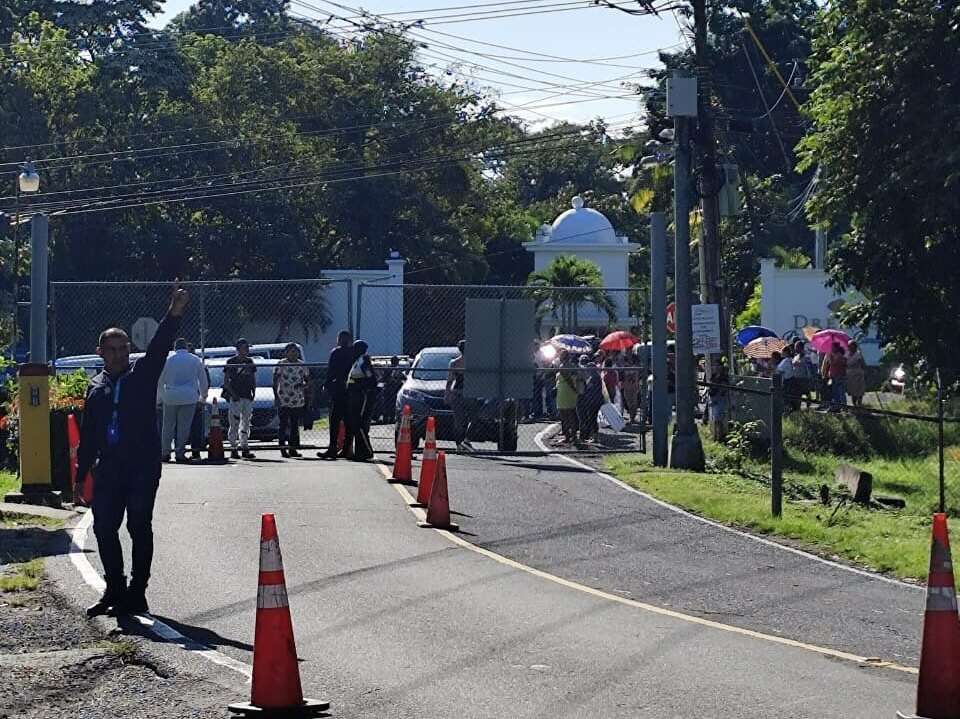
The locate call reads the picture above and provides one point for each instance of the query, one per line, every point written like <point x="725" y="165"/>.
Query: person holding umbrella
<point x="569" y="388"/>
<point x="835" y="370"/>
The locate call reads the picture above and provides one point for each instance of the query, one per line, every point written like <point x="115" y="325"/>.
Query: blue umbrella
<point x="571" y="343"/>
<point x="751" y="332"/>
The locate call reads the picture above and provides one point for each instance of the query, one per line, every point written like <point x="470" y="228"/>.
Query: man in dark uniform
<point x="338" y="368"/>
<point x="119" y="439"/>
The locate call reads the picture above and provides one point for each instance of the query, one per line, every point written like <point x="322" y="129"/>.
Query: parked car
<point x="424" y="391"/>
<point x="265" y="423"/>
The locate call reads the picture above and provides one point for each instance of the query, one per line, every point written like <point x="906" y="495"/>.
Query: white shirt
<point x="785" y="368"/>
<point x="183" y="380"/>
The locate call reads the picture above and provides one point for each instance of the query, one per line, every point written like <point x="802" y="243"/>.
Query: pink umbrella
<point x="824" y="340"/>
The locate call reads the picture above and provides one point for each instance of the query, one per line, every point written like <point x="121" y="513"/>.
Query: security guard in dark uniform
<point x="119" y="440"/>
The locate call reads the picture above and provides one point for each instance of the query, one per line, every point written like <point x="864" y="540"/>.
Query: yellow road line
<point x="689" y="618"/>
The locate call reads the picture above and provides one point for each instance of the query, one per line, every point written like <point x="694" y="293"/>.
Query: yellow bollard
<point x="35" y="469"/>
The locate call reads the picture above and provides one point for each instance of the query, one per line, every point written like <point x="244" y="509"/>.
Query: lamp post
<point x="36" y="475"/>
<point x="28" y="181"/>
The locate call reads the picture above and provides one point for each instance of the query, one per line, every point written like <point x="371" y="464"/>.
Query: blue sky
<point x="583" y="33"/>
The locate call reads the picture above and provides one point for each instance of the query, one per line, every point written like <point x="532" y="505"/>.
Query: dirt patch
<point x="56" y="663"/>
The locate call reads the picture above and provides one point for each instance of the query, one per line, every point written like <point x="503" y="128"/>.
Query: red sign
<point x="672" y="317"/>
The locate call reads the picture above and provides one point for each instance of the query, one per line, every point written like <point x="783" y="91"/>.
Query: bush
<point x="863" y="436"/>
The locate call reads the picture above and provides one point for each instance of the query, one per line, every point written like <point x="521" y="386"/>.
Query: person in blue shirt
<point x="120" y="442"/>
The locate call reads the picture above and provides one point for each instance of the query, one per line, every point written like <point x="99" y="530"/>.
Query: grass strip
<point x="896" y="543"/>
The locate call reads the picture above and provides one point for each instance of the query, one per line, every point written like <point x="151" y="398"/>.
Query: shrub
<point x="862" y="435"/>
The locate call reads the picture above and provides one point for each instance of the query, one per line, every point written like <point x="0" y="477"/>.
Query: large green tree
<point x="886" y="137"/>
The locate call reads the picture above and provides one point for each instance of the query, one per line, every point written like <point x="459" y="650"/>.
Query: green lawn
<point x="8" y="483"/>
<point x="894" y="542"/>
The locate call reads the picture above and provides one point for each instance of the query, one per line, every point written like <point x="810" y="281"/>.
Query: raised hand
<point x="179" y="300"/>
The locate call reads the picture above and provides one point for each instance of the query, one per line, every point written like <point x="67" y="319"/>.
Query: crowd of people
<point x="827" y="381"/>
<point x="357" y="395"/>
<point x="572" y="388"/>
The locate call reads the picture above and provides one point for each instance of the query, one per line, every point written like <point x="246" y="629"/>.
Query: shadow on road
<point x="200" y="637"/>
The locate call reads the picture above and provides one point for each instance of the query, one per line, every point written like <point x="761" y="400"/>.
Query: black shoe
<point x="112" y="597"/>
<point x="247" y="454"/>
<point x="284" y="452"/>
<point x="134" y="602"/>
<point x="234" y="454"/>
<point x="294" y="453"/>
<point x="165" y="459"/>
<point x="327" y="455"/>
<point x="195" y="454"/>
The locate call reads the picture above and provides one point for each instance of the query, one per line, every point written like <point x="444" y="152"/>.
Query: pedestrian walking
<point x="239" y="389"/>
<point x="835" y="371"/>
<point x="120" y="443"/>
<point x="291" y="380"/>
<point x="392" y="381"/>
<point x="361" y="397"/>
<point x="568" y="390"/>
<point x="590" y="400"/>
<point x="460" y="405"/>
<point x="630" y="387"/>
<point x="856" y="374"/>
<point x="183" y="385"/>
<point x="338" y="367"/>
<point x="718" y="399"/>
<point x="787" y="371"/>
<point x="198" y="441"/>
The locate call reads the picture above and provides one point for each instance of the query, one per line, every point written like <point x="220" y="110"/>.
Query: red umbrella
<point x="618" y="341"/>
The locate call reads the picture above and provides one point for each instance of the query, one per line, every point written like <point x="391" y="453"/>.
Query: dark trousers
<point x="290" y="420"/>
<point x="338" y="413"/>
<point x="360" y="408"/>
<point x="197" y="440"/>
<point x="116" y="493"/>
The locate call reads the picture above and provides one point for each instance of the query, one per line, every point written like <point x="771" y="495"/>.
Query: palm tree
<point x="566" y="283"/>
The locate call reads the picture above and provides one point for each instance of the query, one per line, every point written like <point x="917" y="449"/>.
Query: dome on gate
<point x="582" y="225"/>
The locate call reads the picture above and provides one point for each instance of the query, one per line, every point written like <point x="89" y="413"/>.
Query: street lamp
<point x="28" y="181"/>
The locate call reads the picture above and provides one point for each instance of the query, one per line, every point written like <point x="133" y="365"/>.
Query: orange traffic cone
<point x="438" y="510"/>
<point x="938" y="690"/>
<point x="215" y="438"/>
<point x="428" y="465"/>
<point x="73" y="442"/>
<point x="276" y="686"/>
<point x="402" y="467"/>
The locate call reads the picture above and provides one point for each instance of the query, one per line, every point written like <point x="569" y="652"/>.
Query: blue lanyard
<point x="113" y="429"/>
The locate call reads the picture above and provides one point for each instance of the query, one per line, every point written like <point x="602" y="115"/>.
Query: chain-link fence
<point x="267" y="313"/>
<point x="510" y="393"/>
<point x="887" y="451"/>
<point x="309" y="312"/>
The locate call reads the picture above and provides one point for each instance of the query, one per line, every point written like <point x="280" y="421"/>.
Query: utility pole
<point x="686" y="450"/>
<point x="711" y="287"/>
<point x="660" y="410"/>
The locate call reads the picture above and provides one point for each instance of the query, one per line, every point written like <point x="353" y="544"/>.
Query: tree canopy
<point x="885" y="137"/>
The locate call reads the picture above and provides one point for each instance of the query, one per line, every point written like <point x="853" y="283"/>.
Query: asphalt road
<point x="564" y="519"/>
<point x="396" y="621"/>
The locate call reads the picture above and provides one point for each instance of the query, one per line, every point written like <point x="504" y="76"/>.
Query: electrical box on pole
<point x="681" y="97"/>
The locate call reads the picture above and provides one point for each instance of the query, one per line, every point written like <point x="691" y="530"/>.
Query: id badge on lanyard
<point x="113" y="429"/>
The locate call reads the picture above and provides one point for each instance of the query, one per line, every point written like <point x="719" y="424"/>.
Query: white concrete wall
<point x="795" y="299"/>
<point x="382" y="327"/>
<point x="614" y="269"/>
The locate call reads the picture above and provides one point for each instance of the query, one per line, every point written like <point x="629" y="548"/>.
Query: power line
<point x="405" y="168"/>
<point x="543" y="141"/>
